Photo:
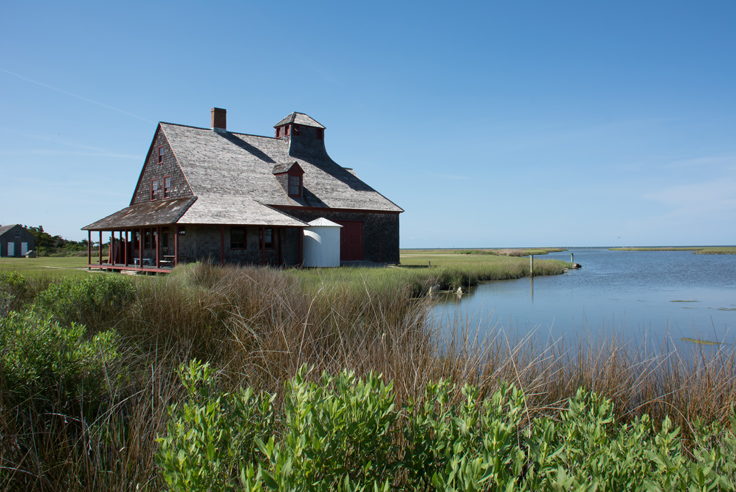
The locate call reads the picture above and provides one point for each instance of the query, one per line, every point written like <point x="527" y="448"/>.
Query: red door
<point x="351" y="240"/>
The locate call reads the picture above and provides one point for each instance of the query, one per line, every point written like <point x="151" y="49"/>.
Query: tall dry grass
<point x="257" y="326"/>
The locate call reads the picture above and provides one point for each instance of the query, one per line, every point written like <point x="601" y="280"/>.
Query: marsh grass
<point x="257" y="326"/>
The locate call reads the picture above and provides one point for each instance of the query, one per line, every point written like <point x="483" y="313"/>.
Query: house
<point x="16" y="241"/>
<point x="217" y="195"/>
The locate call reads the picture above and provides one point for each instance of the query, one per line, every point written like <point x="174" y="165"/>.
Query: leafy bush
<point x="13" y="291"/>
<point x="43" y="361"/>
<point x="95" y="301"/>
<point x="346" y="433"/>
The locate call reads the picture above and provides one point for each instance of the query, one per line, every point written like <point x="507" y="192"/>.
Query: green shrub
<point x="13" y="291"/>
<point x="43" y="361"/>
<point x="346" y="433"/>
<point x="95" y="301"/>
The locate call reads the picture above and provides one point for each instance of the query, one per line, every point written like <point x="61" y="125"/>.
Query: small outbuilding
<point x="16" y="241"/>
<point x="322" y="243"/>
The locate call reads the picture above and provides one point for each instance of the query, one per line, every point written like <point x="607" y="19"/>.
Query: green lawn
<point x="46" y="266"/>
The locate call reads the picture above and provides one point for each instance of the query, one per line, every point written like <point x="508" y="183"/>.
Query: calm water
<point x="640" y="298"/>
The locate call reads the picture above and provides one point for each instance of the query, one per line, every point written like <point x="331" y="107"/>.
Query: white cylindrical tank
<point x="322" y="243"/>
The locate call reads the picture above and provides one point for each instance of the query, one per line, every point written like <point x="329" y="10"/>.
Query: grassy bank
<point x="698" y="250"/>
<point x="89" y="380"/>
<point x="482" y="251"/>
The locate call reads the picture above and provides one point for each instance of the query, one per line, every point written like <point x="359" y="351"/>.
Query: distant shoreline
<point x="482" y="251"/>
<point x="698" y="250"/>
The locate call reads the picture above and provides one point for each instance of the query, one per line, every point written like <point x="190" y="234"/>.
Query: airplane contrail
<point x="77" y="96"/>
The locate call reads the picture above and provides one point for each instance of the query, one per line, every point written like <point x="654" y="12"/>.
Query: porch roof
<point x="153" y="213"/>
<point x="204" y="209"/>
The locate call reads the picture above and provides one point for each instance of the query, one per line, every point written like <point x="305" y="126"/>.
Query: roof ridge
<point x="211" y="130"/>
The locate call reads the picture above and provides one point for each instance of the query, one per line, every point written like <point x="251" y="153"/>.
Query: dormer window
<point x="289" y="175"/>
<point x="295" y="185"/>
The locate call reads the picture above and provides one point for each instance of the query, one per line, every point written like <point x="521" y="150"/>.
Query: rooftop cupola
<point x="299" y="124"/>
<point x="305" y="134"/>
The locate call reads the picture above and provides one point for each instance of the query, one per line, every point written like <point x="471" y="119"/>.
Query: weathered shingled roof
<point x="221" y="164"/>
<point x="158" y="212"/>
<point x="238" y="209"/>
<point x="299" y="119"/>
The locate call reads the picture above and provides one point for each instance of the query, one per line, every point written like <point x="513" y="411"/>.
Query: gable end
<point x="160" y="169"/>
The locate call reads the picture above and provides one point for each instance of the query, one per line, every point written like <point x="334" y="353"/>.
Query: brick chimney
<point x="218" y="118"/>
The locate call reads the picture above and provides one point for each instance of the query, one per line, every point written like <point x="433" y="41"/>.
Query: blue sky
<point x="515" y="123"/>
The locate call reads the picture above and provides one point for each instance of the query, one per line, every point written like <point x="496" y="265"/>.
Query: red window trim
<point x="166" y="191"/>
<point x="154" y="192"/>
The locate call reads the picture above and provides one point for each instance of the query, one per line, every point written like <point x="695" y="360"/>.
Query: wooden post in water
<point x="572" y="258"/>
<point x="531" y="265"/>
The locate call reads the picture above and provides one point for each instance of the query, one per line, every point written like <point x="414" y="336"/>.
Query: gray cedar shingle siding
<point x="152" y="170"/>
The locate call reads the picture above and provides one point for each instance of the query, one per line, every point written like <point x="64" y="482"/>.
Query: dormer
<point x="300" y="124"/>
<point x="290" y="175"/>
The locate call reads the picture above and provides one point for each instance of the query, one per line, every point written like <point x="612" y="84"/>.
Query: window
<point x="295" y="185"/>
<point x="161" y="154"/>
<point x="238" y="238"/>
<point x="167" y="186"/>
<point x="154" y="189"/>
<point x="267" y="238"/>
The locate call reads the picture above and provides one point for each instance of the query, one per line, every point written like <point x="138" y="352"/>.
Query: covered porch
<point x="144" y="249"/>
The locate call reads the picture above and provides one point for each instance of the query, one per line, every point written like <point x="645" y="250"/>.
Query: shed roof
<point x="158" y="212"/>
<point x="299" y="119"/>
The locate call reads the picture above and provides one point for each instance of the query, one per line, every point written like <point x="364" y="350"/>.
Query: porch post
<point x="140" y="248"/>
<point x="278" y="246"/>
<point x="158" y="256"/>
<point x="222" y="245"/>
<point x="89" y="247"/>
<point x="125" y="247"/>
<point x="111" y="249"/>
<point x="100" y="248"/>
<point x="176" y="244"/>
